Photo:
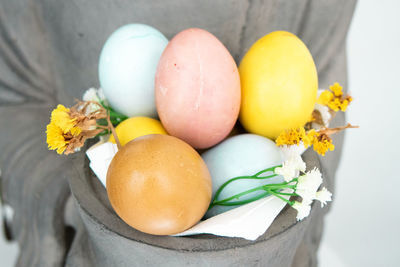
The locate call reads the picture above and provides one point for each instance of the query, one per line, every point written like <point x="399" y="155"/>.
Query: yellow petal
<point x="325" y="97"/>
<point x="336" y="89"/>
<point x="75" y="131"/>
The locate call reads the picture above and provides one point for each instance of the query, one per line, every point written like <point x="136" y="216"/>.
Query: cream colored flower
<point x="94" y="95"/>
<point x="292" y="164"/>
<point x="90" y="95"/>
<point x="287" y="171"/>
<point x="308" y="184"/>
<point x="325" y="116"/>
<point x="303" y="209"/>
<point x="323" y="196"/>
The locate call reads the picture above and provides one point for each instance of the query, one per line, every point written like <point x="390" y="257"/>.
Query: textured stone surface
<point x="48" y="54"/>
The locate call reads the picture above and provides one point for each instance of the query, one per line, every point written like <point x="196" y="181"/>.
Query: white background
<point x="363" y="227"/>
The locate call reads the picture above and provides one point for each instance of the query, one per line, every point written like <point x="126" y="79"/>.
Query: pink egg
<point x="197" y="88"/>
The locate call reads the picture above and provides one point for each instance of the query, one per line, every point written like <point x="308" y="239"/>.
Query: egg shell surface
<point x="135" y="127"/>
<point x="279" y="84"/>
<point x="244" y="154"/>
<point x="197" y="88"/>
<point x="127" y="67"/>
<point x="159" y="185"/>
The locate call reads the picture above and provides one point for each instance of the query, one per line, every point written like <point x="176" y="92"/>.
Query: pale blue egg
<point x="127" y="68"/>
<point x="244" y="154"/>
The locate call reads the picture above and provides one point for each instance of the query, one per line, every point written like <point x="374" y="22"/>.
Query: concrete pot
<point x="114" y="243"/>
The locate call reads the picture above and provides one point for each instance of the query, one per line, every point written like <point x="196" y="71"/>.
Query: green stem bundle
<point x="269" y="189"/>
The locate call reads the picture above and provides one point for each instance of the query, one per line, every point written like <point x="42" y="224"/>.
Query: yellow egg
<point x="279" y="84"/>
<point x="135" y="127"/>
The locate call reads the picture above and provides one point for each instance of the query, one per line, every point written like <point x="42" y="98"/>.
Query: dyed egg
<point x="279" y="85"/>
<point x="159" y="185"/>
<point x="197" y="88"/>
<point x="135" y="127"/>
<point x="127" y="68"/>
<point x="244" y="154"/>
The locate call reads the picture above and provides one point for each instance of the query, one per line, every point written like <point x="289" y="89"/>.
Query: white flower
<point x="308" y="184"/>
<point x="292" y="165"/>
<point x="91" y="95"/>
<point x="102" y="97"/>
<point x="306" y="194"/>
<point x="287" y="171"/>
<point x="325" y="116"/>
<point x="303" y="209"/>
<point x="95" y="95"/>
<point x="323" y="196"/>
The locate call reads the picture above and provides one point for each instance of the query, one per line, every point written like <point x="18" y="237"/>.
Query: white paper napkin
<point x="248" y="221"/>
<point x="100" y="156"/>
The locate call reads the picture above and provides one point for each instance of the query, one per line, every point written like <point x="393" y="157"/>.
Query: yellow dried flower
<point x="325" y="97"/>
<point x="55" y="138"/>
<point x="75" y="131"/>
<point x="70" y="128"/>
<point x="344" y="105"/>
<point x="322" y="146"/>
<point x="335" y="104"/>
<point x="310" y="137"/>
<point x="334" y="98"/>
<point x="290" y="137"/>
<point x="60" y="117"/>
<point x="321" y="142"/>
<point x="337" y="89"/>
<point x="320" y="139"/>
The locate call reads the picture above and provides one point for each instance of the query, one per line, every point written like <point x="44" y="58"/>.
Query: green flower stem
<point x="285" y="194"/>
<point x="279" y="186"/>
<point x="266" y="170"/>
<point x="239" y="178"/>
<point x="114" y="115"/>
<point x="278" y="195"/>
<point x="239" y="195"/>
<point x="241" y="202"/>
<point x="115" y="118"/>
<point x="255" y="176"/>
<point x="105" y="132"/>
<point x="269" y="189"/>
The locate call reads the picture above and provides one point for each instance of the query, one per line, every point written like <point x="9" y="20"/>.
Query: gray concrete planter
<point x="111" y="242"/>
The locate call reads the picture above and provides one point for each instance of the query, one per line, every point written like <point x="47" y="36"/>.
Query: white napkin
<point x="100" y="156"/>
<point x="248" y="221"/>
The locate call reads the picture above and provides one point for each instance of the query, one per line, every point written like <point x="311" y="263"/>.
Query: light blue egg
<point x="127" y="68"/>
<point x="244" y="154"/>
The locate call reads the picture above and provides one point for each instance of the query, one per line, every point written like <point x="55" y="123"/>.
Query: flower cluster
<point x="293" y="164"/>
<point x="320" y="141"/>
<point x="305" y="185"/>
<point x="329" y="102"/>
<point x="334" y="98"/>
<point x="70" y="127"/>
<point x="316" y="132"/>
<point x="297" y="183"/>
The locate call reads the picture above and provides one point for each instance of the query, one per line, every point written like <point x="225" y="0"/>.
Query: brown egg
<point x="159" y="185"/>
